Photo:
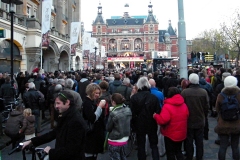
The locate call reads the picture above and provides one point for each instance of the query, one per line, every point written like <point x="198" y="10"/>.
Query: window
<point x="29" y="11"/>
<point x="99" y="29"/>
<point x="35" y="12"/>
<point x="7" y="7"/>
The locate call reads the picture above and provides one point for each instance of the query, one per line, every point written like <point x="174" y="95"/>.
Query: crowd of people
<point x="89" y="109"/>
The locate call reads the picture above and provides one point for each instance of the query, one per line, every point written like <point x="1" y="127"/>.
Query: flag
<point x="86" y="41"/>
<point x="75" y="30"/>
<point x="103" y="54"/>
<point x="46" y="21"/>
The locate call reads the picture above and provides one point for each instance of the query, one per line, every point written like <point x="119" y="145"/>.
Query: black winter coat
<point x="94" y="139"/>
<point x="31" y="99"/>
<point x="143" y="106"/>
<point x="69" y="135"/>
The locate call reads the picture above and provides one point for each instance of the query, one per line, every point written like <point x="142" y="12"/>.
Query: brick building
<point x="129" y="40"/>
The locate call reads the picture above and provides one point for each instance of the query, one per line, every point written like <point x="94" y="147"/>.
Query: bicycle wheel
<point x="129" y="147"/>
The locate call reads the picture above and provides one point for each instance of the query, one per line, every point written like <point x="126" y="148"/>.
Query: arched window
<point x="138" y="44"/>
<point x="112" y="45"/>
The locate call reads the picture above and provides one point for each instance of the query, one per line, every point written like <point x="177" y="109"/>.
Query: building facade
<point x="131" y="40"/>
<point x="27" y="36"/>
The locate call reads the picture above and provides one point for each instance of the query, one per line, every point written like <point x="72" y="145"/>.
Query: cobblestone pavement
<point x="210" y="148"/>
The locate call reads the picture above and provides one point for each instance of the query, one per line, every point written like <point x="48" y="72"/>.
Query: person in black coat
<point x="143" y="106"/>
<point x="94" y="114"/>
<point x="69" y="133"/>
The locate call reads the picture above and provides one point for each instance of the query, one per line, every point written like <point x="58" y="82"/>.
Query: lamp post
<point x="95" y="64"/>
<point x="12" y="11"/>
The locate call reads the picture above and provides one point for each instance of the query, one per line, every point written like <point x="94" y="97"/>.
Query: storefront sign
<point x="122" y="59"/>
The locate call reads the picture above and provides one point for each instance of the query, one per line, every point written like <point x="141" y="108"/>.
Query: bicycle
<point x="132" y="141"/>
<point x="37" y="153"/>
<point x="8" y="107"/>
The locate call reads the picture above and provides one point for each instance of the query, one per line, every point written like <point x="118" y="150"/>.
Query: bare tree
<point x="232" y="32"/>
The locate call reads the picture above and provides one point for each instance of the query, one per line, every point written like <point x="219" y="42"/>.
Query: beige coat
<point x="227" y="127"/>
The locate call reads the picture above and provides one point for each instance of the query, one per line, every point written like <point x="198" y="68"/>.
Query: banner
<point x="46" y="21"/>
<point x="93" y="44"/>
<point x="103" y="54"/>
<point x="86" y="41"/>
<point x="75" y="30"/>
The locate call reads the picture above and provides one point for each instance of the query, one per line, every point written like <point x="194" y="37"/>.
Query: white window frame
<point x="30" y="11"/>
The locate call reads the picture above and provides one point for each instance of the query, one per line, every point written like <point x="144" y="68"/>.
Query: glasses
<point x="62" y="95"/>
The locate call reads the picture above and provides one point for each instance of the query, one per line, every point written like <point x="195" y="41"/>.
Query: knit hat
<point x="225" y="74"/>
<point x="194" y="78"/>
<point x="230" y="81"/>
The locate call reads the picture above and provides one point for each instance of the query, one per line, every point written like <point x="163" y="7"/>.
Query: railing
<point x="55" y="33"/>
<point x="16" y="19"/>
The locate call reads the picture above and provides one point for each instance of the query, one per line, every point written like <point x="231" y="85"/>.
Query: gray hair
<point x="143" y="82"/>
<point x="31" y="85"/>
<point x="58" y="88"/>
<point x="61" y="81"/>
<point x="69" y="83"/>
<point x="55" y="81"/>
<point x="126" y="81"/>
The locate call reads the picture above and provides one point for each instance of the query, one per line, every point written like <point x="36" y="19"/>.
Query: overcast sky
<point x="199" y="14"/>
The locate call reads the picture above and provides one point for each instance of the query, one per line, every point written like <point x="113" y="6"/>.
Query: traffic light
<point x="215" y="57"/>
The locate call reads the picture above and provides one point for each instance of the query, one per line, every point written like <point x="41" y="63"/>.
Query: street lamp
<point x="95" y="58"/>
<point x="12" y="11"/>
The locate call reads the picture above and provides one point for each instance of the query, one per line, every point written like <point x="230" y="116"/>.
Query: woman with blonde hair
<point x="28" y="127"/>
<point x="92" y="113"/>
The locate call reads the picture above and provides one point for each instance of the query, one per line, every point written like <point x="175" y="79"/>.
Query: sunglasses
<point x="62" y="95"/>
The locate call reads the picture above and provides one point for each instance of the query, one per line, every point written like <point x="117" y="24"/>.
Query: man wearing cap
<point x="197" y="102"/>
<point x="228" y="129"/>
<point x="69" y="133"/>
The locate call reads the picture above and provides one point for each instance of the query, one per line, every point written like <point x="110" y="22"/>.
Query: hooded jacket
<point x="227" y="127"/>
<point x="14" y="123"/>
<point x="28" y="125"/>
<point x="114" y="85"/>
<point x="173" y="118"/>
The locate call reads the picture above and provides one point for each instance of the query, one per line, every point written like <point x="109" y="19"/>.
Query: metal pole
<point x="182" y="41"/>
<point x="12" y="12"/>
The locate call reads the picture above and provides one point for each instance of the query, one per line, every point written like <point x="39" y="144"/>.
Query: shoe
<point x="217" y="142"/>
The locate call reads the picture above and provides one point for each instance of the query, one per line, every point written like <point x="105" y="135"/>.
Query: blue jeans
<point x="117" y="152"/>
<point x="197" y="136"/>
<point x="224" y="139"/>
<point x="141" y="141"/>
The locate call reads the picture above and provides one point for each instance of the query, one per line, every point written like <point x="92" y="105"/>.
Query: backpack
<point x="229" y="108"/>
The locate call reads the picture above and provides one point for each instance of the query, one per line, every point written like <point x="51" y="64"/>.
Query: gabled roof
<point x="127" y="21"/>
<point x="170" y="29"/>
<point x="99" y="20"/>
<point x="151" y="18"/>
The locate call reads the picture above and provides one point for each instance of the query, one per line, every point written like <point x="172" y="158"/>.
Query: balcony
<point x="57" y="34"/>
<point x="64" y="19"/>
<point x="16" y="18"/>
